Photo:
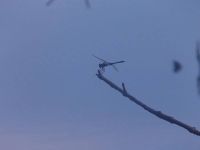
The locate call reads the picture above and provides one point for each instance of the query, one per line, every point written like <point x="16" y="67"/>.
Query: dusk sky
<point x="50" y="97"/>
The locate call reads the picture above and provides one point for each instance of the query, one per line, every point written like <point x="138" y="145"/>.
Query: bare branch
<point x="159" y="114"/>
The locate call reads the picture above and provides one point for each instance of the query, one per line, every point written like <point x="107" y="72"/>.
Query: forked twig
<point x="159" y="114"/>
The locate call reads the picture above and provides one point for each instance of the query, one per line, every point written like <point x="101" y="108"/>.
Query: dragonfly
<point x="87" y="3"/>
<point x="106" y="63"/>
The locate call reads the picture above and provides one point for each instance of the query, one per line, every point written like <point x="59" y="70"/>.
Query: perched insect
<point x="106" y="63"/>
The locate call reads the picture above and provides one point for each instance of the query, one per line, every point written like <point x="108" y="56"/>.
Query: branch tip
<point x="124" y="89"/>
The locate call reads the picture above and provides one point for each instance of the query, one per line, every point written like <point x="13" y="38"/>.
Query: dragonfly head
<point x="100" y="65"/>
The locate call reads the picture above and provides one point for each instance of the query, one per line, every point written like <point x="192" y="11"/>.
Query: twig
<point x="159" y="114"/>
<point x="198" y="59"/>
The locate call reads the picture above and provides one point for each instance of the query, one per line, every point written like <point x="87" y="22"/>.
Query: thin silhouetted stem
<point x="159" y="114"/>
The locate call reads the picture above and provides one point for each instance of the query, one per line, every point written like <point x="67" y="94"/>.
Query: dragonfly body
<point x="105" y="64"/>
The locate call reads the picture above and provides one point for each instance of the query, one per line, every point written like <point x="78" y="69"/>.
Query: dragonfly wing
<point x="100" y="59"/>
<point x="103" y="69"/>
<point x="114" y="67"/>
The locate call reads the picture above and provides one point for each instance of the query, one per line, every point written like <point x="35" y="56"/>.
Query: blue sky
<point x="50" y="97"/>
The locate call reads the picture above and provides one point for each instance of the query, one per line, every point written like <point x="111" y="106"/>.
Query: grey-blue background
<point x="50" y="97"/>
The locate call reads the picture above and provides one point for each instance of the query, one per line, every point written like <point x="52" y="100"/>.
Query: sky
<point x="50" y="97"/>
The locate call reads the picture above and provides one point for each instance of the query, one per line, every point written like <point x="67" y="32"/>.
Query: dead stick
<point x="159" y="114"/>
